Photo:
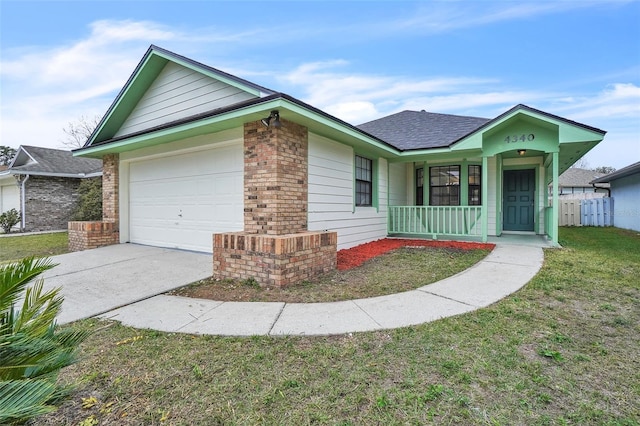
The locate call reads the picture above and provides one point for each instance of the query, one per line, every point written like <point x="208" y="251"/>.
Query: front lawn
<point x="41" y="245"/>
<point x="563" y="350"/>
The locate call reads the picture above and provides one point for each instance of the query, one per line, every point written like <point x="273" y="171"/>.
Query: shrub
<point x="32" y="351"/>
<point x="89" y="200"/>
<point x="9" y="219"/>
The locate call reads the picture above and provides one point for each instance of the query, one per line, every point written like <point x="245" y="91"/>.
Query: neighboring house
<point x="9" y="193"/>
<point x="42" y="183"/>
<point x="575" y="183"/>
<point x="190" y="151"/>
<point x="625" y="191"/>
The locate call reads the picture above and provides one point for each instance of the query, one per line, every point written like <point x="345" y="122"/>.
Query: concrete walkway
<point x="505" y="270"/>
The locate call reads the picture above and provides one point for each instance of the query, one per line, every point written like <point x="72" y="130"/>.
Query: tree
<point x="32" y="351"/>
<point x="582" y="163"/>
<point x="78" y="132"/>
<point x="605" y="169"/>
<point x="6" y="155"/>
<point x="89" y="200"/>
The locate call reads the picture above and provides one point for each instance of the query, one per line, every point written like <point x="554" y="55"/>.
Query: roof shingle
<point x="408" y="130"/>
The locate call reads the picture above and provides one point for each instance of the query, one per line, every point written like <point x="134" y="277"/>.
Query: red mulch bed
<point x="356" y="256"/>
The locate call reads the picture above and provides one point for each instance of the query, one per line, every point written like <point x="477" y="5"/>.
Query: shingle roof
<point x="421" y="130"/>
<point x="618" y="174"/>
<point x="575" y="177"/>
<point x="47" y="161"/>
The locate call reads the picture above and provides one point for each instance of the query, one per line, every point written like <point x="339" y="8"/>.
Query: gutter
<point x="595" y="189"/>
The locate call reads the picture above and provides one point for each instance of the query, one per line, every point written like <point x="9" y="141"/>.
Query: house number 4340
<point x="520" y="138"/>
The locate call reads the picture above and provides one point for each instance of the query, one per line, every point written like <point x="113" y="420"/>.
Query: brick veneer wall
<point x="110" y="188"/>
<point x="275" y="248"/>
<point x="275" y="178"/>
<point x="49" y="202"/>
<point x="93" y="234"/>
<point x="275" y="261"/>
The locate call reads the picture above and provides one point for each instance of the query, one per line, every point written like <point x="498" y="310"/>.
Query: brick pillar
<point x="275" y="178"/>
<point x="110" y="193"/>
<point x="275" y="247"/>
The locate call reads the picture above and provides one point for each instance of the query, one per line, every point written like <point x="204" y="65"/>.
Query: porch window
<point x="475" y="192"/>
<point x="444" y="186"/>
<point x="420" y="187"/>
<point x="364" y="181"/>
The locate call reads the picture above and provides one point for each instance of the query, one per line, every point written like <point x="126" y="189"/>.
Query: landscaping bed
<point x="373" y="269"/>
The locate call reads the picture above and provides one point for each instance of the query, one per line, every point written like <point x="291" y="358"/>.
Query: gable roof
<point x="145" y="73"/>
<point x="35" y="160"/>
<point x="619" y="174"/>
<point x="575" y="177"/>
<point x="422" y="130"/>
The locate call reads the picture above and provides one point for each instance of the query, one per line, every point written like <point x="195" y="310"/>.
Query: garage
<point x="180" y="200"/>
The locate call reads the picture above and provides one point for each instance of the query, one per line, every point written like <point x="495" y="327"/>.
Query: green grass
<point x="14" y="248"/>
<point x="564" y="350"/>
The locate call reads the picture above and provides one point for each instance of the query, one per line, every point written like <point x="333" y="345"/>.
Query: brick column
<point x="275" y="248"/>
<point x="110" y="191"/>
<point x="275" y="178"/>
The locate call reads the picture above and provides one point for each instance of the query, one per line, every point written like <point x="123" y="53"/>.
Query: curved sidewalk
<point x="505" y="270"/>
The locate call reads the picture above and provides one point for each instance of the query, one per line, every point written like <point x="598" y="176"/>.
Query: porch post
<point x="485" y="198"/>
<point x="555" y="201"/>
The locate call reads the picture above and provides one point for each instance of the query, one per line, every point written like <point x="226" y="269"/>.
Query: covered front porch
<point x="456" y="223"/>
<point x="493" y="183"/>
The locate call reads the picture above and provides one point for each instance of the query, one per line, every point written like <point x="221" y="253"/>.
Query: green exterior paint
<point x="498" y="189"/>
<point x="520" y="134"/>
<point x="555" y="202"/>
<point x="485" y="199"/>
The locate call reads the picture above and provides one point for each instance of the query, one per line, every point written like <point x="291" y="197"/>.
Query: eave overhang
<point x="291" y="109"/>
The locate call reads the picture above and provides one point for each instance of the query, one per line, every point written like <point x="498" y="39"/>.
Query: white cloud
<point x="446" y="16"/>
<point x="357" y="98"/>
<point x="46" y="89"/>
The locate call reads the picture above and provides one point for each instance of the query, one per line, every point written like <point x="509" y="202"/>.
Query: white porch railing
<point x="432" y="221"/>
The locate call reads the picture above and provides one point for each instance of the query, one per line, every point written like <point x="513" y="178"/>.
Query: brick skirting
<point x="274" y="260"/>
<point x="89" y="235"/>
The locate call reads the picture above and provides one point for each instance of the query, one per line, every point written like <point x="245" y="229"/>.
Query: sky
<point x="357" y="60"/>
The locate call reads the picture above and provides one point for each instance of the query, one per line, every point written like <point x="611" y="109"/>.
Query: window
<point x="420" y="187"/>
<point x="475" y="192"/>
<point x="444" y="186"/>
<point x="364" y="181"/>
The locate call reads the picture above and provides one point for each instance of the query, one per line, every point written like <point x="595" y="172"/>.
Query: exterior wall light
<point x="275" y="116"/>
<point x="522" y="152"/>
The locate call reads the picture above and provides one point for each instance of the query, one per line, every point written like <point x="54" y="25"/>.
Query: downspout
<point x="23" y="194"/>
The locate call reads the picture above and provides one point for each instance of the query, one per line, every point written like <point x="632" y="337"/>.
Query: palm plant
<point x="32" y="351"/>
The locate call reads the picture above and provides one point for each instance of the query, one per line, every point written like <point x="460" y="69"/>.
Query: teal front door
<point x="518" y="201"/>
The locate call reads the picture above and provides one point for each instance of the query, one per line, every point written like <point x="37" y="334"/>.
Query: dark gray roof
<point x="52" y="162"/>
<point x="575" y="177"/>
<point x="422" y="130"/>
<point x="618" y="174"/>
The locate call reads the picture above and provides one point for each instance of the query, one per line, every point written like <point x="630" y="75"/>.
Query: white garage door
<point x="9" y="195"/>
<point x="180" y="201"/>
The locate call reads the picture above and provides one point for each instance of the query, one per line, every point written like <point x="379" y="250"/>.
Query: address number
<point x="520" y="138"/>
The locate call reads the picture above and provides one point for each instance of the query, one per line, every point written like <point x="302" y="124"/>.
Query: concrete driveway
<point x="100" y="280"/>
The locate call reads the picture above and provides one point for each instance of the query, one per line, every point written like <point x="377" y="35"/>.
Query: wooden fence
<point x="590" y="212"/>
